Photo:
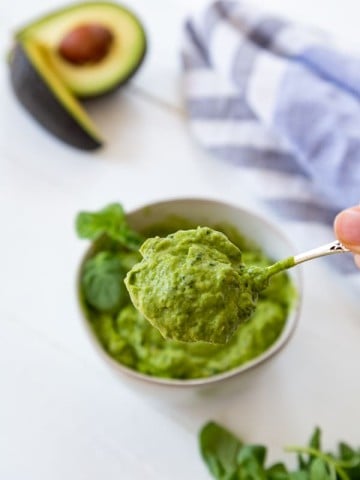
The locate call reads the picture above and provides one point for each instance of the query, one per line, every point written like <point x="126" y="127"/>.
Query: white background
<point x="62" y="414"/>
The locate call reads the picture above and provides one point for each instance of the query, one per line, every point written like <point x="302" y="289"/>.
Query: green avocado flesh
<point x="192" y="286"/>
<point x="128" y="337"/>
<point x="124" y="57"/>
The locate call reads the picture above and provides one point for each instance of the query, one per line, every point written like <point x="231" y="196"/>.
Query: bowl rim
<point x="276" y="347"/>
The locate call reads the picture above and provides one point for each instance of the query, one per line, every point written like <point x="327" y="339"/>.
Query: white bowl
<point x="209" y="212"/>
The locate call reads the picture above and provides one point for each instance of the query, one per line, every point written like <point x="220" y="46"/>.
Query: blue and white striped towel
<point x="281" y="102"/>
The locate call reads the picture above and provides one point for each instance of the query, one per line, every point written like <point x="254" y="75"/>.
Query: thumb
<point x="347" y="228"/>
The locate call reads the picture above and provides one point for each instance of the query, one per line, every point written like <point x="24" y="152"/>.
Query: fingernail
<point x="347" y="227"/>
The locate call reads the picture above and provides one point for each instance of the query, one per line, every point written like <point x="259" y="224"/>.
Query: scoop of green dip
<point x="192" y="286"/>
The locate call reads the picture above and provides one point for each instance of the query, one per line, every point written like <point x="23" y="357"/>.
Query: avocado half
<point x="49" y="85"/>
<point x="49" y="101"/>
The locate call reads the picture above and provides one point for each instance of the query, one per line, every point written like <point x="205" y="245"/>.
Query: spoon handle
<point x="328" y="249"/>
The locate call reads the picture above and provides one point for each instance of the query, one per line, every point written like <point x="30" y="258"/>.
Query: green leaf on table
<point x="315" y="439"/>
<point x="278" y="471"/>
<point x="109" y="221"/>
<point x="319" y="470"/>
<point x="229" y="459"/>
<point x="219" y="449"/>
<point x="345" y="451"/>
<point x="314" y="444"/>
<point x="253" y="452"/>
<point x="251" y="463"/>
<point x="299" y="475"/>
<point x="349" y="460"/>
<point x="102" y="282"/>
<point x="302" y="463"/>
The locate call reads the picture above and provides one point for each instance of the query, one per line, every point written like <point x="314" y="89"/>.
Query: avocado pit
<point x="86" y="44"/>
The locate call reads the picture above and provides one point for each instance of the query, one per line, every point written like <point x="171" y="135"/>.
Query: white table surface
<point x="62" y="414"/>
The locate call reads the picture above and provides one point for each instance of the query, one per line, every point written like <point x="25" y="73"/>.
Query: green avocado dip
<point x="128" y="337"/>
<point x="192" y="286"/>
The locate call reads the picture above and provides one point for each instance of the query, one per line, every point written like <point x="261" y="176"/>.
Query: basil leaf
<point x="299" y="475"/>
<point x="255" y="452"/>
<point x="219" y="449"/>
<point x="102" y="282"/>
<point x="278" y="471"/>
<point x="315" y="439"/>
<point x="251" y="460"/>
<point x="314" y="444"/>
<point x="345" y="451"/>
<point x="318" y="470"/>
<point x="229" y="459"/>
<point x="349" y="461"/>
<point x="302" y="463"/>
<point x="110" y="221"/>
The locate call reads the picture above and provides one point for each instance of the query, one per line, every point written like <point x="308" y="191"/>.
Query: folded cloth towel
<point x="281" y="102"/>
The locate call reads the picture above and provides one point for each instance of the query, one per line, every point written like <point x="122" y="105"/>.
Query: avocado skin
<point x="37" y="98"/>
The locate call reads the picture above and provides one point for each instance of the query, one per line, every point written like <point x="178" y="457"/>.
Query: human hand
<point x="347" y="230"/>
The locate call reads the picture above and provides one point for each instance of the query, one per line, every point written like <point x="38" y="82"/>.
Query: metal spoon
<point x="328" y="249"/>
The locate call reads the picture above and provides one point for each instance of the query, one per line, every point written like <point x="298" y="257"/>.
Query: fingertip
<point x="357" y="260"/>
<point x="347" y="228"/>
